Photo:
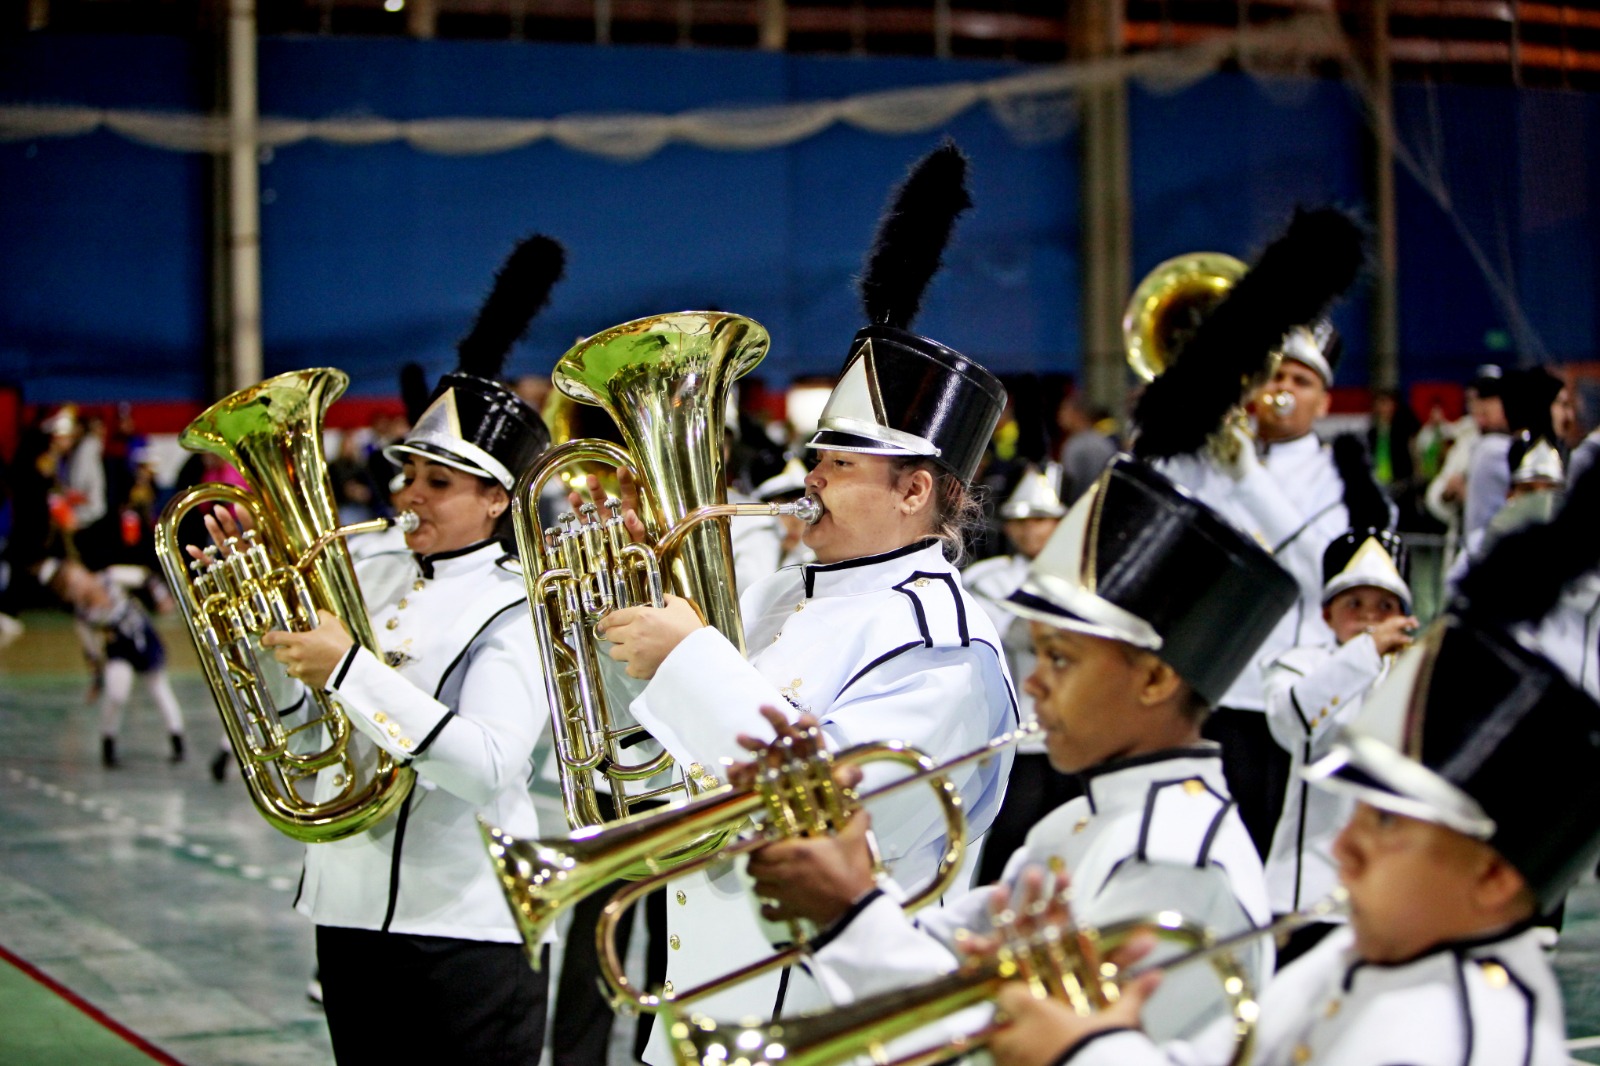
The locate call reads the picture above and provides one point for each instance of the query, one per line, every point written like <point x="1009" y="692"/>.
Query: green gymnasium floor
<point x="145" y="912"/>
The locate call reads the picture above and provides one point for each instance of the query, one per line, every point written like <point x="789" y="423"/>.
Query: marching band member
<point x="877" y="639"/>
<point x="1144" y="606"/>
<point x="1282" y="487"/>
<point x="1476" y="771"/>
<point x="1315" y="689"/>
<point x="410" y="916"/>
<point x="1030" y="514"/>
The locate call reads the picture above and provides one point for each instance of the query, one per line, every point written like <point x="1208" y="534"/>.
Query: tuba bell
<point x="665" y="381"/>
<point x="287" y="566"/>
<point x="1166" y="308"/>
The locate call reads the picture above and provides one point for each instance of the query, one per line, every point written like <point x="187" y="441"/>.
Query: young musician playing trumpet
<point x="1144" y="606"/>
<point x="1476" y="770"/>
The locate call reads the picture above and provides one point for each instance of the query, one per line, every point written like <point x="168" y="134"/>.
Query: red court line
<point x="89" y="1008"/>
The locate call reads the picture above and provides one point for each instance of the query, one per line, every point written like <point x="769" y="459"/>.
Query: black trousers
<point x="393" y="997"/>
<point x="1034" y="789"/>
<point x="580" y="1028"/>
<point x="1257" y="769"/>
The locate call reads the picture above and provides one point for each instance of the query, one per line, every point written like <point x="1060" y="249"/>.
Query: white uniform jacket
<point x="1569" y="635"/>
<point x="991" y="581"/>
<point x="1485" y="1002"/>
<point x="888" y="647"/>
<point x="1311" y="692"/>
<point x="463" y="702"/>
<point x="1293" y="505"/>
<point x="1151" y="833"/>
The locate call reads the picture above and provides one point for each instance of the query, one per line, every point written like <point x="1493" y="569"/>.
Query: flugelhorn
<point x="1065" y="963"/>
<point x="289" y="565"/>
<point x="665" y="382"/>
<point x="799" y="798"/>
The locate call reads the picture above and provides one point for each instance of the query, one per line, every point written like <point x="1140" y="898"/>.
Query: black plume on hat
<point x="1527" y="394"/>
<point x="908" y="248"/>
<point x="1521" y="578"/>
<point x="1292" y="284"/>
<point x="414" y="391"/>
<point x="521" y="290"/>
<point x="1364" y="501"/>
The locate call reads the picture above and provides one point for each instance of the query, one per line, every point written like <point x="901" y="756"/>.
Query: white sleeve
<point x="1302" y="707"/>
<point x="474" y="749"/>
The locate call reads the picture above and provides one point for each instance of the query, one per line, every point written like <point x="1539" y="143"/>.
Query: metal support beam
<point x="243" y="200"/>
<point x="1105" y="209"/>
<point x="1383" y="369"/>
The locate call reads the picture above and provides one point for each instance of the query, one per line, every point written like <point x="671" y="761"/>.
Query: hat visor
<point x="1035" y="608"/>
<point x="1378" y="775"/>
<point x="1346" y="582"/>
<point x="396" y="454"/>
<point x="1015" y="512"/>
<point x="835" y="440"/>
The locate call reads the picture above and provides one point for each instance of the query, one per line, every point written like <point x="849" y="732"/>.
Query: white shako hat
<point x="1034" y="497"/>
<point x="1375" y="557"/>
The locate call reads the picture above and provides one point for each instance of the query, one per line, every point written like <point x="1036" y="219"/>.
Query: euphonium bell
<point x="291" y="564"/>
<point x="665" y="382"/>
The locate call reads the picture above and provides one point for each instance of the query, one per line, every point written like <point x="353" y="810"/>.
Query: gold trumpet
<point x="797" y="798"/>
<point x="664" y="381"/>
<point x="1068" y="964"/>
<point x="289" y="565"/>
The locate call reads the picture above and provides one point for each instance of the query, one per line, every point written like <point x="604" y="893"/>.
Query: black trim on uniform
<point x="1529" y="1000"/>
<point x="468" y="647"/>
<point x="1466" y="1008"/>
<point x="1294" y="701"/>
<point x="828" y="935"/>
<point x="783" y="991"/>
<point x="433" y="734"/>
<point x="1211" y="834"/>
<point x="1016" y="713"/>
<point x="1300" y="830"/>
<point x="916" y="606"/>
<point x="961" y="608"/>
<point x="1072" y="1051"/>
<point x="1290" y="539"/>
<point x="425" y="562"/>
<point x="297" y="704"/>
<point x="1454" y="947"/>
<point x="1194" y="751"/>
<point x="810" y="570"/>
<point x="344" y="667"/>
<point x="879" y="661"/>
<point x="394" y="860"/>
<point x="300" y="886"/>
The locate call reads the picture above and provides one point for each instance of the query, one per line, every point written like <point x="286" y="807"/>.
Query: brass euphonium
<point x="1164" y="311"/>
<point x="665" y="382"/>
<point x="1069" y="964"/>
<point x="290" y="563"/>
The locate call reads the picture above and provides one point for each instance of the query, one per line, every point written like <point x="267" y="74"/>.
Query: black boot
<point x="219" y="766"/>
<point x="177" y="747"/>
<point x="108" y="753"/>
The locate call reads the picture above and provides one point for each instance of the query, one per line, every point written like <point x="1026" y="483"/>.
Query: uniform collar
<point x="1299" y="447"/>
<point x="872" y="573"/>
<point x="1122" y="782"/>
<point x="472" y="557"/>
<point x="1463" y="948"/>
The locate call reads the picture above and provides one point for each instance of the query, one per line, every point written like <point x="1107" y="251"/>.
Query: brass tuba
<point x="1066" y="964"/>
<point x="665" y="381"/>
<point x="290" y="564"/>
<point x="1163" y="313"/>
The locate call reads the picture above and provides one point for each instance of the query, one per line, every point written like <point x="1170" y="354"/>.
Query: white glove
<point x="1236" y="438"/>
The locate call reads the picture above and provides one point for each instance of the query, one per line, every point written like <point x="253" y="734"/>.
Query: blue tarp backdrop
<point x="376" y="255"/>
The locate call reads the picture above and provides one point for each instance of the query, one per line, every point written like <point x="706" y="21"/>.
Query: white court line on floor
<point x="284" y="882"/>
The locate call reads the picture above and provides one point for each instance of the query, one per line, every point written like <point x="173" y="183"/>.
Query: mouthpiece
<point x="1281" y="402"/>
<point x="807" y="508"/>
<point x="407" y="521"/>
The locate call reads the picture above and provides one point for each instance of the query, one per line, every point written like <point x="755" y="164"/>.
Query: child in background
<point x="119" y="642"/>
<point x="1312" y="690"/>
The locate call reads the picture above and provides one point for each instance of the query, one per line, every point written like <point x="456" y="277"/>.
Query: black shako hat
<point x="479" y="426"/>
<point x="1475" y="732"/>
<point x="902" y="394"/>
<point x="1138" y="559"/>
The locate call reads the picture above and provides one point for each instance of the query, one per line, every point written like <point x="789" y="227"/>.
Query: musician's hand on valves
<point x="1393" y="634"/>
<point x="221" y="525"/>
<point x="642" y="637"/>
<point x="311" y="656"/>
<point x="627" y="492"/>
<point x="815" y="878"/>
